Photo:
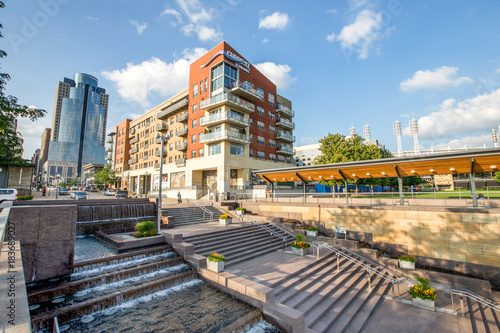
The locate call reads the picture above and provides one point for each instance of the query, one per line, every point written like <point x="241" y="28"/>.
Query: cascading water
<point x="115" y="212"/>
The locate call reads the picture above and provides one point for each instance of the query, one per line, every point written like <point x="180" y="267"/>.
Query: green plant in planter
<point x="240" y="208"/>
<point x="145" y="229"/>
<point x="225" y="216"/>
<point x="423" y="290"/>
<point x="300" y="243"/>
<point x="312" y="228"/>
<point x="216" y="257"/>
<point x="407" y="258"/>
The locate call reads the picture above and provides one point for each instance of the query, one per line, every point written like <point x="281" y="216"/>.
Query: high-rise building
<point x="119" y="151"/>
<point x="44" y="154"/>
<point x="228" y="122"/>
<point x="78" y="126"/>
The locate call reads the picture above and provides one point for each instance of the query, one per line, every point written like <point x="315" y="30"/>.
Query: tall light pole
<point x="398" y="130"/>
<point x="57" y="185"/>
<point x="163" y="139"/>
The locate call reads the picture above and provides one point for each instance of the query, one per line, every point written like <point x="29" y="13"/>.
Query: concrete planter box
<point x="312" y="233"/>
<point x="240" y="212"/>
<point x="225" y="221"/>
<point x="300" y="252"/>
<point x="406" y="264"/>
<point x="215" y="266"/>
<point x="426" y="304"/>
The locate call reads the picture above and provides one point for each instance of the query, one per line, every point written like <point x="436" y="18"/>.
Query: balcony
<point x="181" y="146"/>
<point x="157" y="166"/>
<point x="180" y="162"/>
<point x="134" y="140"/>
<point x="162" y="127"/>
<point x="108" y="157"/>
<point x="183" y="117"/>
<point x="224" y="117"/>
<point x="133" y="150"/>
<point x="246" y="90"/>
<point x="285" y="123"/>
<point x="146" y="135"/>
<point x="109" y="149"/>
<point x="227" y="98"/>
<point x="285" y="150"/>
<point x="183" y="131"/>
<point x="285" y="137"/>
<point x="110" y="141"/>
<point x="224" y="135"/>
<point x="146" y="145"/>
<point x="132" y="160"/>
<point x="172" y="108"/>
<point x="131" y="131"/>
<point x="157" y="152"/>
<point x="284" y="110"/>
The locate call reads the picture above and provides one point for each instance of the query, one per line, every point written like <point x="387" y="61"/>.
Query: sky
<point x="342" y="63"/>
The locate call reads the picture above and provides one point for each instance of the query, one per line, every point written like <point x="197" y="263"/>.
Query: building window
<point x="261" y="140"/>
<point x="271" y="115"/>
<point x="200" y="152"/>
<point x="122" y="150"/>
<point x="195" y="108"/>
<point x="170" y="158"/>
<point x="251" y="152"/>
<point x="236" y="149"/>
<point x="260" y="125"/>
<point x="195" y="122"/>
<point x="171" y="133"/>
<point x="272" y="143"/>
<point x="281" y="159"/>
<point x="272" y="129"/>
<point x="261" y="155"/>
<point x="171" y="146"/>
<point x="223" y="75"/>
<point x="250" y="122"/>
<point x="172" y="120"/>
<point x="288" y="160"/>
<point x="123" y="141"/>
<point x="206" y="83"/>
<point x="214" y="149"/>
<point x="193" y="138"/>
<point x="272" y="157"/>
<point x="195" y="90"/>
<point x="201" y="87"/>
<point x="251" y="138"/>
<point x="193" y="153"/>
<point x="260" y="92"/>
<point x="270" y="99"/>
<point x="260" y="110"/>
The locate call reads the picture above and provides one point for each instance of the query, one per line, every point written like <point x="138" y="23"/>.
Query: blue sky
<point x="342" y="63"/>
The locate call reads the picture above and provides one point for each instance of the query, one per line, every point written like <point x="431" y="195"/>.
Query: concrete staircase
<point x="482" y="318"/>
<point x="191" y="215"/>
<point x="239" y="244"/>
<point x="333" y="301"/>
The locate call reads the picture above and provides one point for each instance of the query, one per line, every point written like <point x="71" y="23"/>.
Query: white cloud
<point x="90" y="18"/>
<point x="204" y="33"/>
<point x="140" y="27"/>
<point x="355" y="4"/>
<point x="137" y="82"/>
<point x="331" y="37"/>
<point x="437" y="79"/>
<point x="467" y="142"/>
<point x="332" y="11"/>
<point x="278" y="74"/>
<point x="309" y="140"/>
<point x="362" y="33"/>
<point x="133" y="115"/>
<point x="275" y="21"/>
<point x="195" y="12"/>
<point x="265" y="41"/>
<point x="174" y="13"/>
<point x="469" y="116"/>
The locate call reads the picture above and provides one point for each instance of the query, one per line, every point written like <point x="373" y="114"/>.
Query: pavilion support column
<point x="400" y="185"/>
<point x="346" y="192"/>
<point x="473" y="183"/>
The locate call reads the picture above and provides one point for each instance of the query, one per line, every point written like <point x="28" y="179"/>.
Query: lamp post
<point x="57" y="186"/>
<point x="163" y="139"/>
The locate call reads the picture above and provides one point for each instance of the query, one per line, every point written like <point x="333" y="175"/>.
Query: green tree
<point x="10" y="148"/>
<point x="72" y="182"/>
<point x="496" y="175"/>
<point x="105" y="176"/>
<point x="336" y="148"/>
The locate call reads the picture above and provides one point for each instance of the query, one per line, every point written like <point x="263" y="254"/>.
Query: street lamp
<point x="163" y="139"/>
<point x="57" y="185"/>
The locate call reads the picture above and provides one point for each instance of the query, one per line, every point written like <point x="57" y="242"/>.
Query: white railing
<point x="478" y="298"/>
<point x="287" y="123"/>
<point x="286" y="110"/>
<point x="204" y="209"/>
<point x="229" y="98"/>
<point x="224" y="116"/>
<point x="248" y="88"/>
<point x="220" y="135"/>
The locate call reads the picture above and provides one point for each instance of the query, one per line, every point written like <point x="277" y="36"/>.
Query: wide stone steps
<point x="483" y="319"/>
<point x="331" y="300"/>
<point x="190" y="215"/>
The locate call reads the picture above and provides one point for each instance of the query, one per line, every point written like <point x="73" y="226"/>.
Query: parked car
<point x="80" y="195"/>
<point x="120" y="194"/>
<point x="93" y="189"/>
<point x="74" y="188"/>
<point x="8" y="194"/>
<point x="109" y="191"/>
<point x="63" y="191"/>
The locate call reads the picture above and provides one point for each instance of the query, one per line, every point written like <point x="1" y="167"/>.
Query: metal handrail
<point x="266" y="228"/>
<point x="204" y="209"/>
<point x="282" y="229"/>
<point x="369" y="269"/>
<point x="478" y="298"/>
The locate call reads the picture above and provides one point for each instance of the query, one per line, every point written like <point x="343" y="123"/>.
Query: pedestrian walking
<point x="179" y="198"/>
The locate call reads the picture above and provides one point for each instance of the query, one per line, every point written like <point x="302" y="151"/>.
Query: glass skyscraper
<point x="79" y="126"/>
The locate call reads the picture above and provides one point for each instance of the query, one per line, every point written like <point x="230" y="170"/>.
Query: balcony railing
<point x="109" y="149"/>
<point x="286" y="110"/>
<point x="246" y="90"/>
<point x="285" y="150"/>
<point x="285" y="123"/>
<point x="131" y="131"/>
<point x="110" y="140"/>
<point x="172" y="108"/>
<point x="181" y="131"/>
<point x="224" y="116"/>
<point x="224" y="135"/>
<point x="183" y="117"/>
<point x="133" y="150"/>
<point x="157" y="166"/>
<point x="162" y="127"/>
<point x="132" y="160"/>
<point x="134" y="140"/>
<point x="285" y="136"/>
<point x="157" y="152"/>
<point x="108" y="157"/>
<point x="180" y="162"/>
<point x="227" y="98"/>
<point x="181" y="146"/>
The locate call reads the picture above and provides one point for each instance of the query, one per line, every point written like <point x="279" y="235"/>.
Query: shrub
<point x="407" y="258"/>
<point x="423" y="290"/>
<point x="240" y="208"/>
<point x="312" y="229"/>
<point x="301" y="245"/>
<point x="24" y="197"/>
<point x="145" y="229"/>
<point x="216" y="257"/>
<point x="300" y="237"/>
